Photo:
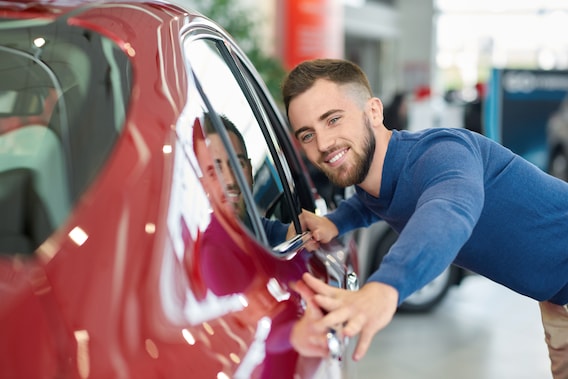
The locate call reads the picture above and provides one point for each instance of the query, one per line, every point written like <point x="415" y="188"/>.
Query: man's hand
<point x="306" y="340"/>
<point x="323" y="230"/>
<point x="363" y="312"/>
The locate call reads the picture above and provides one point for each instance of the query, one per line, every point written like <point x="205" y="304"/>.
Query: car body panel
<point x="145" y="274"/>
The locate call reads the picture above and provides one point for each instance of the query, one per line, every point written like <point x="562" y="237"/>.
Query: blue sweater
<point x="275" y="231"/>
<point x="456" y="196"/>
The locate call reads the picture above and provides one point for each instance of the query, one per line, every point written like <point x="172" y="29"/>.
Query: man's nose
<point x="228" y="174"/>
<point x="325" y="141"/>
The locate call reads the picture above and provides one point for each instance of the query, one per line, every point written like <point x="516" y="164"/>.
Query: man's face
<point x="221" y="159"/>
<point x="334" y="131"/>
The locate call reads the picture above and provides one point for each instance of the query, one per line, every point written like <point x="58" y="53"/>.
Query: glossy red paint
<point x="143" y="297"/>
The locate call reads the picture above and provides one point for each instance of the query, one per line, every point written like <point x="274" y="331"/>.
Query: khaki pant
<point x="555" y="322"/>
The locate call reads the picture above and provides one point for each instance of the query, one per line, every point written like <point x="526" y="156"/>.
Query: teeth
<point x="337" y="157"/>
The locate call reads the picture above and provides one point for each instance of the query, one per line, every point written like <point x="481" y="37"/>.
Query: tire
<point x="427" y="298"/>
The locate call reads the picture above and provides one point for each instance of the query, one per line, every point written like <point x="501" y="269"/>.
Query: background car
<point x="120" y="253"/>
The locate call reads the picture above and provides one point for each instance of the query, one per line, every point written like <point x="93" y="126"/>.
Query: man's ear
<point x="376" y="108"/>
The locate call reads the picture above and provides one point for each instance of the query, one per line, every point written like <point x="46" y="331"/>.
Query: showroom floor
<point x="480" y="331"/>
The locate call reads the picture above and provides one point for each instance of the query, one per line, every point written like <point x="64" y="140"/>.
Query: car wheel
<point x="430" y="295"/>
<point x="426" y="298"/>
<point x="559" y="166"/>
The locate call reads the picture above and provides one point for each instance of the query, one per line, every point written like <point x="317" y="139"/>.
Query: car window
<point x="262" y="180"/>
<point x="55" y="81"/>
<point x="303" y="190"/>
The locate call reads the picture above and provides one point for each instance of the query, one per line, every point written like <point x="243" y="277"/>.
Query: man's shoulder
<point x="427" y="138"/>
<point x="441" y="147"/>
<point x="435" y="133"/>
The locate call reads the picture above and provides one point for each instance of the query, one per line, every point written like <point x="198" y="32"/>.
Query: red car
<point x="123" y="253"/>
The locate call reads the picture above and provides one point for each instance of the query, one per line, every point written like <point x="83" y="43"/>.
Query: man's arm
<point x="351" y="214"/>
<point x="449" y="177"/>
<point x="276" y="231"/>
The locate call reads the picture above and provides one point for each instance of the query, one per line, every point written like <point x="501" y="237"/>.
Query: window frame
<point x="260" y="109"/>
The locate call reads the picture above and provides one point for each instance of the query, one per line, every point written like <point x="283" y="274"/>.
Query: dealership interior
<point x="480" y="330"/>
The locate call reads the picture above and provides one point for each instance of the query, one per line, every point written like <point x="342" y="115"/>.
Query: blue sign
<point x="518" y="106"/>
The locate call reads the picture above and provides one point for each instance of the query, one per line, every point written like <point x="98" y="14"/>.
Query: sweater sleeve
<point x="449" y="185"/>
<point x="351" y="214"/>
<point x="275" y="231"/>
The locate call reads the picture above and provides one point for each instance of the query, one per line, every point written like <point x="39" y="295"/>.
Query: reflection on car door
<point x="236" y="106"/>
<point x="232" y="92"/>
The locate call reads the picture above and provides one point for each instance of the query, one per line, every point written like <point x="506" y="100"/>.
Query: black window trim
<point x="257" y="107"/>
<point x="254" y="102"/>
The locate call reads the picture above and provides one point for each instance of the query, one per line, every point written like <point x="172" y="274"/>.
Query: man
<point x="452" y="195"/>
<point x="276" y="231"/>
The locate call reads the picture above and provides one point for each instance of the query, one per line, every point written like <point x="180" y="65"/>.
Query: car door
<point x="233" y="91"/>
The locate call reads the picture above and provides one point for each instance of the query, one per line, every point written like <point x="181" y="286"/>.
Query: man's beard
<point x="362" y="164"/>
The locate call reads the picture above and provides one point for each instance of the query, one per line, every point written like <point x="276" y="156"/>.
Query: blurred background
<point x="498" y="67"/>
<point x="453" y="63"/>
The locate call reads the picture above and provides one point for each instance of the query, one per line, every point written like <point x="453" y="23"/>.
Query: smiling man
<point x="453" y="196"/>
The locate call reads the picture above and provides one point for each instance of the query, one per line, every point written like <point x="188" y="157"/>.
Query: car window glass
<point x="230" y="105"/>
<point x="301" y="189"/>
<point x="55" y="81"/>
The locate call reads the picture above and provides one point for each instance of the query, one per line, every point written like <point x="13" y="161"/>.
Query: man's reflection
<point x="220" y="243"/>
<point x="276" y="231"/>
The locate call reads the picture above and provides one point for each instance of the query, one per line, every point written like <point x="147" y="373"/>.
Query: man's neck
<point x="372" y="183"/>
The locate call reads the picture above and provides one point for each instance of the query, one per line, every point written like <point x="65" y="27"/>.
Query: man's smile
<point x="335" y="158"/>
<point x="233" y="195"/>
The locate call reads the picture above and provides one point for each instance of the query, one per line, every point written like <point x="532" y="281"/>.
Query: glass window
<point x="254" y="178"/>
<point x="63" y="94"/>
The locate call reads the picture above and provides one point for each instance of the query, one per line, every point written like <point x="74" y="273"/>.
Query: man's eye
<point x="334" y="120"/>
<point x="307" y="137"/>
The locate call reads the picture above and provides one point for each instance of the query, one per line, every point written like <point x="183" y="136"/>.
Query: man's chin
<point x="342" y="183"/>
<point x="340" y="179"/>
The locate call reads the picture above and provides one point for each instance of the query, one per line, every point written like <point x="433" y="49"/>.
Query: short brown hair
<point x="304" y="75"/>
<point x="229" y="125"/>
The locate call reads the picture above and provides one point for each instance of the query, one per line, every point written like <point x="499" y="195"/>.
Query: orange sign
<point x="312" y="29"/>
